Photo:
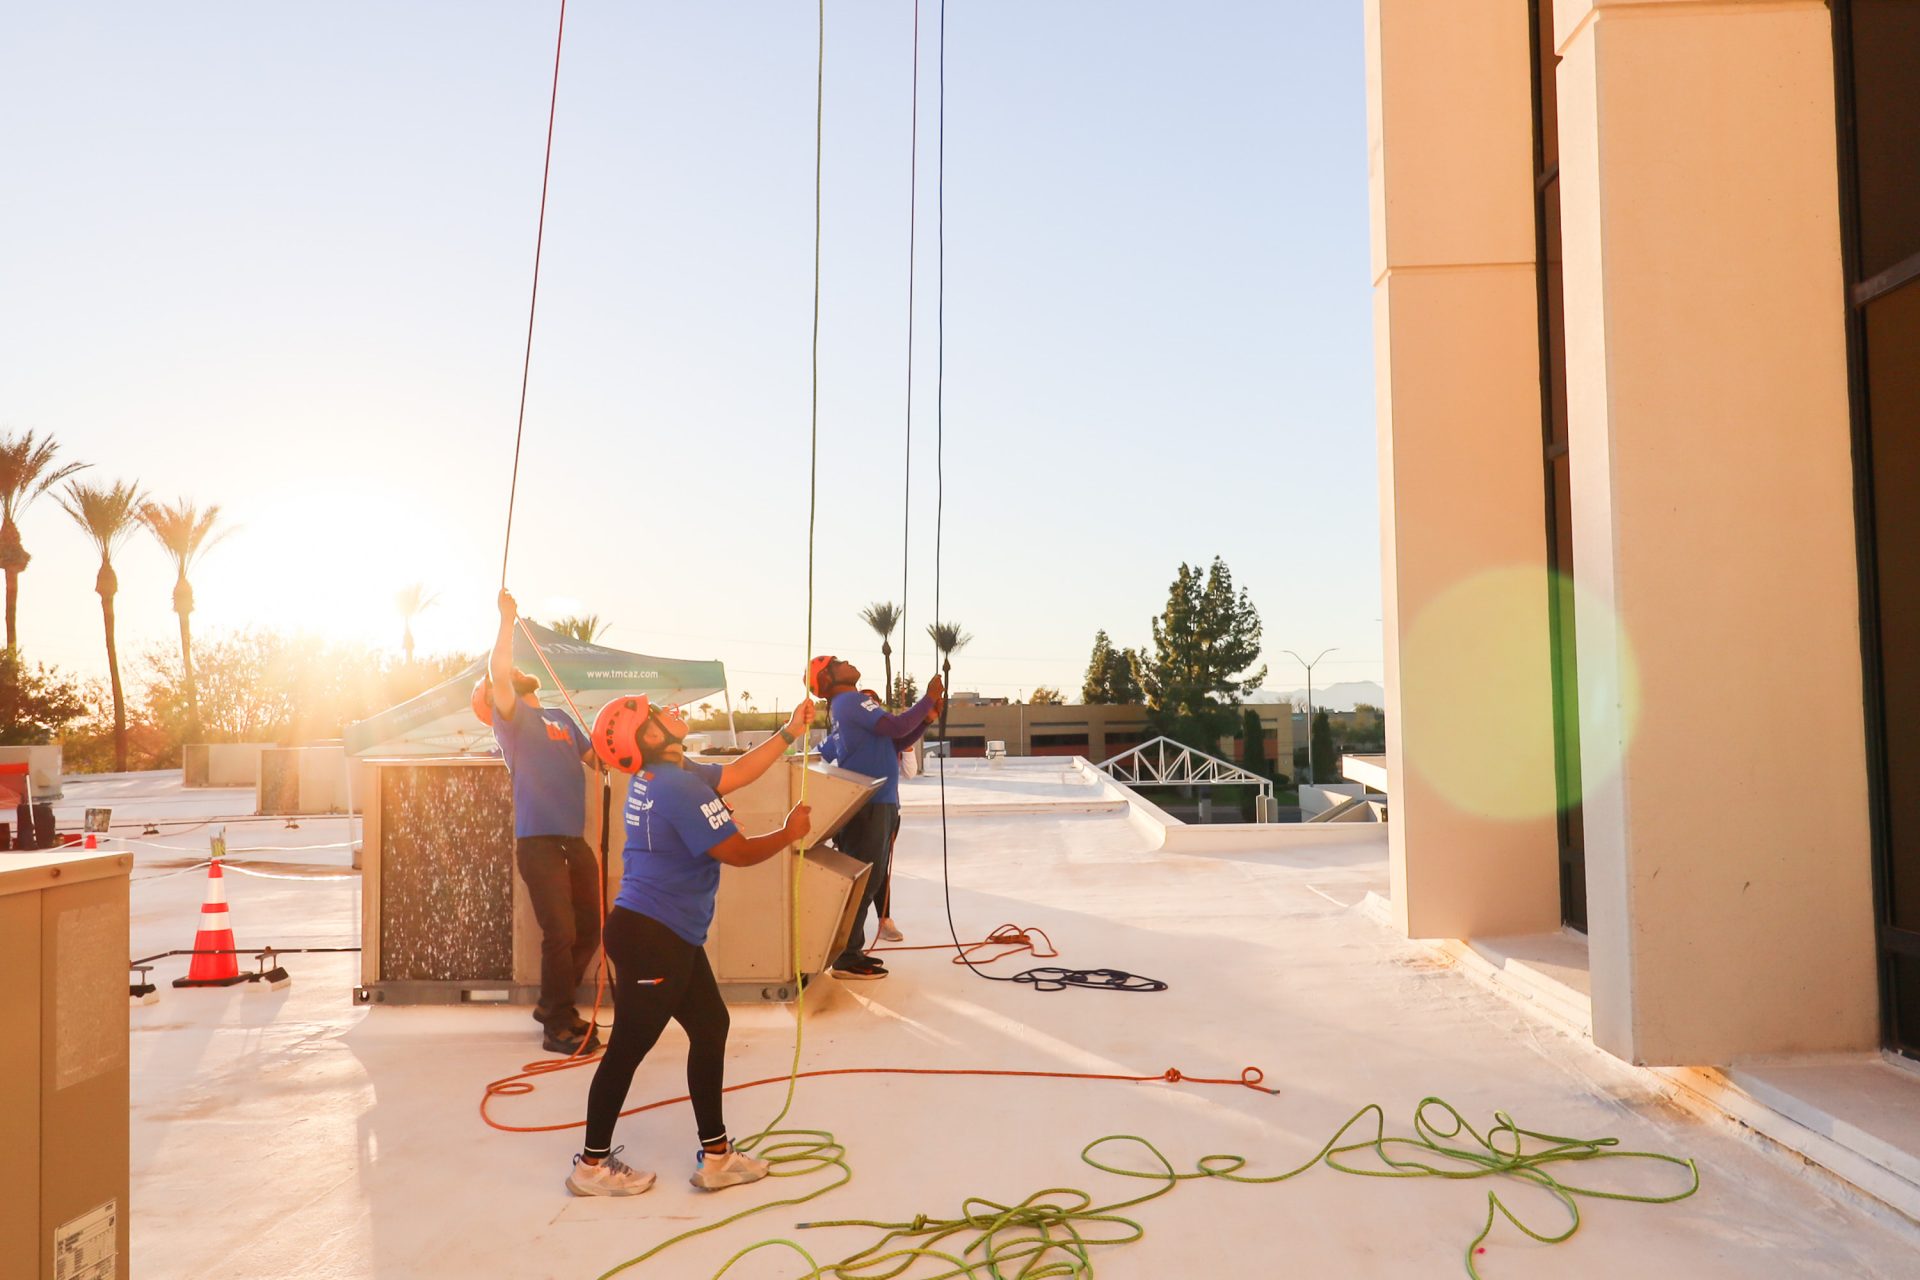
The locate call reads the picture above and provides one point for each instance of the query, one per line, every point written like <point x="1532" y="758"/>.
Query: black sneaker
<point x="864" y="969"/>
<point x="577" y="1026"/>
<point x="561" y="1042"/>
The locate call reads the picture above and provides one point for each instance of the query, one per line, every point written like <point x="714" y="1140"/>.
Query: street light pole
<point x="1311" y="775"/>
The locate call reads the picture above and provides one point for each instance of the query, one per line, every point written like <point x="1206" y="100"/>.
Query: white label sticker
<point x="86" y="1247"/>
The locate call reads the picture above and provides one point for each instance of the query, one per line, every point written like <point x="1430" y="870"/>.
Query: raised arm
<point x="739" y="850"/>
<point x="901" y="726"/>
<point x="741" y="770"/>
<point x="500" y="664"/>
<point x="937" y="696"/>
<point x="906" y="742"/>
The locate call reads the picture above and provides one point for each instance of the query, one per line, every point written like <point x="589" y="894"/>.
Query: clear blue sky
<point x="276" y="257"/>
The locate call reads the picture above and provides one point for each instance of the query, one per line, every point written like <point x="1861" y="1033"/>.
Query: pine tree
<point x="1326" y="761"/>
<point x="1253" y="736"/>
<point x="1203" y="646"/>
<point x="1109" y="679"/>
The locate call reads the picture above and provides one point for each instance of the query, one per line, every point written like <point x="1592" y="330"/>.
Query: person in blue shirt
<point x="544" y="749"/>
<point x="679" y="833"/>
<point x="868" y="739"/>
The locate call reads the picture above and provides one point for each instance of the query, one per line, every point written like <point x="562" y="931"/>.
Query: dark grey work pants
<point x="868" y="837"/>
<point x="562" y="878"/>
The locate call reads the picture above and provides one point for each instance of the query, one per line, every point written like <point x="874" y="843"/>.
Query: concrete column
<point x="1730" y="904"/>
<point x="1462" y="498"/>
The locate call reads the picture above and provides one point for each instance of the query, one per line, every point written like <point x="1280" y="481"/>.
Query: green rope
<point x="791" y="1152"/>
<point x="1054" y="1232"/>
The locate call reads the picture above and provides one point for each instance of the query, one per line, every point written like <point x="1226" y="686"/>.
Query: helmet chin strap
<point x="667" y="739"/>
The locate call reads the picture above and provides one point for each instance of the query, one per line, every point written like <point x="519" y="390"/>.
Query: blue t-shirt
<point x="542" y="749"/>
<point x="674" y="816"/>
<point x="855" y="743"/>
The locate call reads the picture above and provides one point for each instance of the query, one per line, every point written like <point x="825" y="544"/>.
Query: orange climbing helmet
<point x="482" y="700"/>
<point x="817" y="671"/>
<point x="622" y="730"/>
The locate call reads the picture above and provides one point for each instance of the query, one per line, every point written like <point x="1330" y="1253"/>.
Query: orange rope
<point x="1011" y="936"/>
<point x="518" y="1085"/>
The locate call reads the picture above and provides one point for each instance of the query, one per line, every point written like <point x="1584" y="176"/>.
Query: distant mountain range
<point x="1341" y="695"/>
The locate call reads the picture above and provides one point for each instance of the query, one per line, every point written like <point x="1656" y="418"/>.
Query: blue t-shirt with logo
<point x="542" y="749"/>
<point x="674" y="816"/>
<point x="856" y="743"/>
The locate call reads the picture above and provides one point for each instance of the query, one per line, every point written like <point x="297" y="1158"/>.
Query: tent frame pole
<point x="733" y="733"/>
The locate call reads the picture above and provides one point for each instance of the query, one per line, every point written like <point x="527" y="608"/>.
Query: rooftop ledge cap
<point x="25" y="872"/>
<point x="1571" y="16"/>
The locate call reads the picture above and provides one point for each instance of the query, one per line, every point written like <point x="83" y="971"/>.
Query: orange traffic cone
<point x="215" y="935"/>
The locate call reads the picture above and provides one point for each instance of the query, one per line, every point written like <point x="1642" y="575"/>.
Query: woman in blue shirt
<point x="679" y="832"/>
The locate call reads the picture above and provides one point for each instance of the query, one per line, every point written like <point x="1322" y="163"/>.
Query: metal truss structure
<point x="1164" y="762"/>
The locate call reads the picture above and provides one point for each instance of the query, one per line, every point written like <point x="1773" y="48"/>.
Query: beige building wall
<point x="1473" y="845"/>
<point x="1712" y="511"/>
<point x="1713" y="529"/>
<point x="1108" y="729"/>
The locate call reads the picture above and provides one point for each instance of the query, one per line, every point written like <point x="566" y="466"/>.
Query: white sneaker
<point x="890" y="933"/>
<point x="611" y="1177"/>
<point x="713" y="1172"/>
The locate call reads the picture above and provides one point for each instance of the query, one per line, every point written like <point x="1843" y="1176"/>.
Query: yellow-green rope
<point x="1053" y="1233"/>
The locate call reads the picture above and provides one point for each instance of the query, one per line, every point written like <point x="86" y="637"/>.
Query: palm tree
<point x="883" y="617"/>
<point x="412" y="601"/>
<point x="26" y="472"/>
<point x="586" y="628"/>
<point x="108" y="515"/>
<point x="949" y="639"/>
<point x="185" y="531"/>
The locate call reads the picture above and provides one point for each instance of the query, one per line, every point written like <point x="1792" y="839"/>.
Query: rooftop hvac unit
<point x="63" y="1065"/>
<point x="221" y="764"/>
<point x="278" y="789"/>
<point x="446" y="918"/>
<point x="44" y="764"/>
<point x="311" y="779"/>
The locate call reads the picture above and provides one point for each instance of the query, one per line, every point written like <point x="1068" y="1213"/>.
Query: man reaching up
<point x="868" y="739"/>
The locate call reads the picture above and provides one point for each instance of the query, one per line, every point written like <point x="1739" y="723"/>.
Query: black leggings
<point x="641" y="950"/>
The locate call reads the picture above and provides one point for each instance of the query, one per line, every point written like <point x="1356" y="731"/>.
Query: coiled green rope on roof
<point x="1054" y="1232"/>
